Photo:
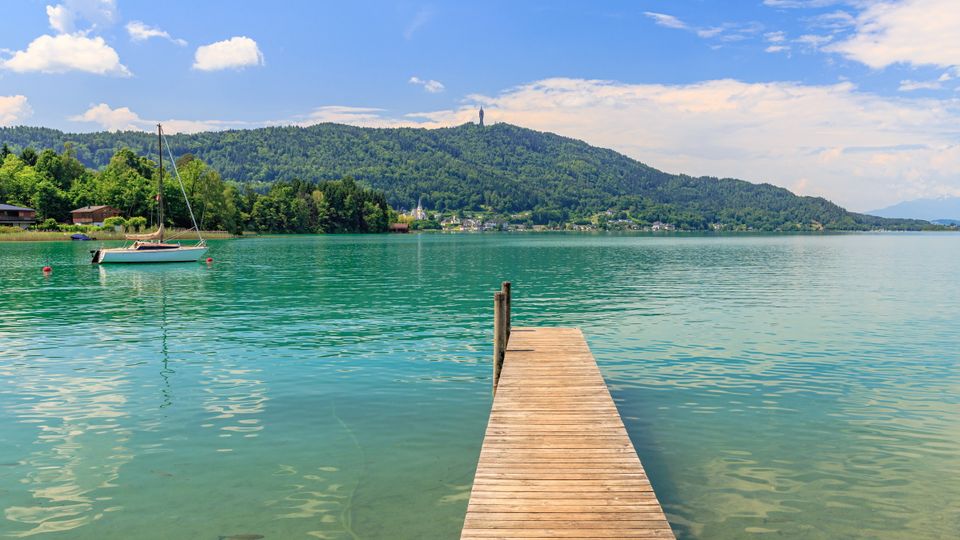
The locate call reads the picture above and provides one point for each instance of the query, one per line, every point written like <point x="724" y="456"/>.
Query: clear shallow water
<point x="338" y="387"/>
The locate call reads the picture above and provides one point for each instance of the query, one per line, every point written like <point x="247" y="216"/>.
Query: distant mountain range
<point x="502" y="169"/>
<point x="942" y="209"/>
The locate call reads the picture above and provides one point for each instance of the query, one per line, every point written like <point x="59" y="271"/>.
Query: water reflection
<point x="81" y="447"/>
<point x="338" y="386"/>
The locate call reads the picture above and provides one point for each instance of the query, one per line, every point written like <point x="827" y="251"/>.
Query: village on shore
<point x="420" y="219"/>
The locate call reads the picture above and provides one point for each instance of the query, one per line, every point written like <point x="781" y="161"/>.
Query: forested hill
<point x="500" y="168"/>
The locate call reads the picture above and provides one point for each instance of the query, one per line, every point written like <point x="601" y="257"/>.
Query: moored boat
<point x="145" y="253"/>
<point x="150" y="248"/>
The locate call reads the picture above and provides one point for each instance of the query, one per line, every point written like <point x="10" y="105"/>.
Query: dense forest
<point x="54" y="183"/>
<point x="500" y="169"/>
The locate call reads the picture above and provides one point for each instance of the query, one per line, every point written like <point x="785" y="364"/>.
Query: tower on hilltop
<point x="481" y="116"/>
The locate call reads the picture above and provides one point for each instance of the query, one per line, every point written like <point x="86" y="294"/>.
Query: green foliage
<point x="48" y="224"/>
<point x="329" y="206"/>
<point x="424" y="225"/>
<point x="56" y="183"/>
<point x="114" y="221"/>
<point x="136" y="223"/>
<point x="29" y="156"/>
<point x="498" y="169"/>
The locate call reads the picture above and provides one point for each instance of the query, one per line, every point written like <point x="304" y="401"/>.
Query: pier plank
<point x="556" y="460"/>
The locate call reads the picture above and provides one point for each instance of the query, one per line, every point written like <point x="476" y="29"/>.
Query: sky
<point x="854" y="100"/>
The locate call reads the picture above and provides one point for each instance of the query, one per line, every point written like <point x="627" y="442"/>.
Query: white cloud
<point x="916" y="32"/>
<point x="61" y="19"/>
<point x="775" y="37"/>
<point x="777" y="41"/>
<point x="726" y="32"/>
<point x="14" y="109"/>
<point x="430" y="85"/>
<point x="124" y="119"/>
<point x="713" y="31"/>
<point x="234" y="53"/>
<point x="813" y="41"/>
<point x="859" y="149"/>
<point x="800" y="3"/>
<point x="355" y="116"/>
<point x="119" y="119"/>
<point x="936" y="84"/>
<point x="64" y="17"/>
<point x="668" y="21"/>
<point x="140" y="31"/>
<point x="423" y="16"/>
<point x="174" y="125"/>
<point x="908" y="85"/>
<point x="834" y="21"/>
<point x="67" y="52"/>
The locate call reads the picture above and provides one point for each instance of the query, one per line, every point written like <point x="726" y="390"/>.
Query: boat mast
<point x="160" y="182"/>
<point x="183" y="190"/>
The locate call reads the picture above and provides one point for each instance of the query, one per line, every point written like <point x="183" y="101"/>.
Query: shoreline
<point x="98" y="236"/>
<point x="105" y="236"/>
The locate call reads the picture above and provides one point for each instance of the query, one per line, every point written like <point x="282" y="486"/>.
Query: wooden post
<point x="499" y="327"/>
<point x="505" y="288"/>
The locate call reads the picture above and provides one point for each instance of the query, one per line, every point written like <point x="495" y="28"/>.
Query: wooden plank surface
<point x="556" y="460"/>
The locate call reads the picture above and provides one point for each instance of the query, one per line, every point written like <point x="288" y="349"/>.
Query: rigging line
<point x="182" y="189"/>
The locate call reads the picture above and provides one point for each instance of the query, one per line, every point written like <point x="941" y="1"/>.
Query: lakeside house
<point x="660" y="226"/>
<point x="399" y="227"/>
<point x="17" y="216"/>
<point x="623" y="224"/>
<point x="450" y="222"/>
<point x="93" y="215"/>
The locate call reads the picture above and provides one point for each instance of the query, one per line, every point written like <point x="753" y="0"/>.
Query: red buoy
<point x="47" y="269"/>
<point x="209" y="260"/>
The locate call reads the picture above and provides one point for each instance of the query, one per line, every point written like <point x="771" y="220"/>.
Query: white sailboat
<point x="151" y="248"/>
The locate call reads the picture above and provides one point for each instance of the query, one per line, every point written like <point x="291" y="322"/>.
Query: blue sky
<point x="854" y="100"/>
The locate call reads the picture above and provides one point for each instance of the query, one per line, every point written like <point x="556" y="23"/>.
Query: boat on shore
<point x="151" y="247"/>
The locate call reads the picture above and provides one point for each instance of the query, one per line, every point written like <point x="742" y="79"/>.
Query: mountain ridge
<point x="929" y="209"/>
<point x="501" y="168"/>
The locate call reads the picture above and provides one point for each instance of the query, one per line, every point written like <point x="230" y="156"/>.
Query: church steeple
<point x="481" y="116"/>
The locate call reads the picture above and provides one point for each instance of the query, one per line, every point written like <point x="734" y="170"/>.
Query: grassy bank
<point x="58" y="236"/>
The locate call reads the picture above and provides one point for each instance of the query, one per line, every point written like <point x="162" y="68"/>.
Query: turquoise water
<point x="338" y="387"/>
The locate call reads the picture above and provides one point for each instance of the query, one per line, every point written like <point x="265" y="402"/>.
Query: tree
<point x="211" y="200"/>
<point x="113" y="222"/>
<point x="17" y="181"/>
<point x="501" y="169"/>
<point x="50" y="201"/>
<point x="136" y="223"/>
<point x="55" y="183"/>
<point x="29" y="156"/>
<point x="125" y="184"/>
<point x="48" y="224"/>
<point x="321" y="212"/>
<point x="374" y="217"/>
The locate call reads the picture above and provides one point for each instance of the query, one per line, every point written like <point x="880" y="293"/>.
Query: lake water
<point x="338" y="386"/>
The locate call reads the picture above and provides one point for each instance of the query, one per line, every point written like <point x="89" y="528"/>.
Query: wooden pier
<point x="556" y="460"/>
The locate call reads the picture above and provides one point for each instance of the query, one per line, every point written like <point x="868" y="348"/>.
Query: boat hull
<point x="126" y="255"/>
